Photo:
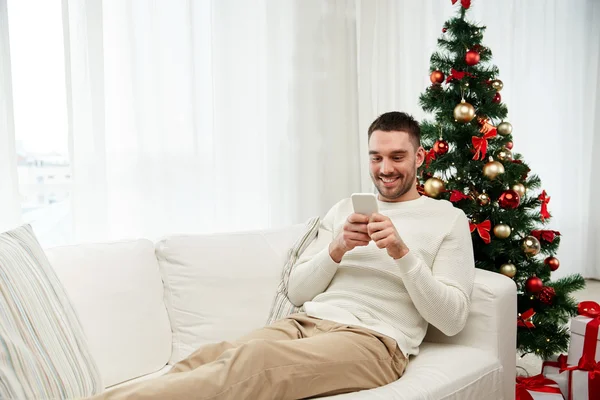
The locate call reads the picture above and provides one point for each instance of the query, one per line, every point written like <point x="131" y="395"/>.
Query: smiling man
<point x="370" y="285"/>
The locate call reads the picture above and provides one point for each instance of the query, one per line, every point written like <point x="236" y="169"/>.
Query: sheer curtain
<point x="193" y="116"/>
<point x="219" y="115"/>
<point x="548" y="56"/>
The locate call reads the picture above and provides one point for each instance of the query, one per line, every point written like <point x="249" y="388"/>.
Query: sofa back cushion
<point x="221" y="286"/>
<point x="117" y="291"/>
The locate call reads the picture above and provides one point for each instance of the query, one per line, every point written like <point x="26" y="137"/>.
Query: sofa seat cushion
<point x="442" y="371"/>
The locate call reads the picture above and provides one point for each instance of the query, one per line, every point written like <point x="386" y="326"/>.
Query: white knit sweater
<point x="398" y="298"/>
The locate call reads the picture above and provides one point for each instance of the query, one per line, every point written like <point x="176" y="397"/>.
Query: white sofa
<point x="145" y="305"/>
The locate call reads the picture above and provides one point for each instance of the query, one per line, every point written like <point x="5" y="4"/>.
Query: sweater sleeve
<point x="315" y="268"/>
<point x="442" y="294"/>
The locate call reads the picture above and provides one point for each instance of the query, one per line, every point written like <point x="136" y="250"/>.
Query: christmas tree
<point x="470" y="162"/>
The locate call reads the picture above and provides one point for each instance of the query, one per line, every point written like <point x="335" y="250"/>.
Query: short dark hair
<point x="397" y="121"/>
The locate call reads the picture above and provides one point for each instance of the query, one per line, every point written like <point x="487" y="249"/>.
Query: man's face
<point x="393" y="163"/>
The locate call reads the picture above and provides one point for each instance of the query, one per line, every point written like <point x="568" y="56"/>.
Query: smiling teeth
<point x="387" y="180"/>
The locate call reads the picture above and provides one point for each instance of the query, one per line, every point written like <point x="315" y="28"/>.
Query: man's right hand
<point x="353" y="234"/>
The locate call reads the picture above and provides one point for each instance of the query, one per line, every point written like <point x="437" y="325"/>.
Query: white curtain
<point x="194" y="116"/>
<point x="203" y="116"/>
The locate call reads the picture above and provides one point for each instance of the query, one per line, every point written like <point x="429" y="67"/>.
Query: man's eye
<point x="375" y="159"/>
<point x="397" y="158"/>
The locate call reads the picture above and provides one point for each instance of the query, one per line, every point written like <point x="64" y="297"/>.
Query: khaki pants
<point x="270" y="363"/>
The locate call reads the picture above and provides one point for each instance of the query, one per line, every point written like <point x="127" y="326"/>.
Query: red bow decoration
<point x="546" y="235"/>
<point x="537" y="383"/>
<point x="545" y="200"/>
<point x="458" y="75"/>
<point x="465" y="3"/>
<point x="458" y="196"/>
<point x="428" y="157"/>
<point x="524" y="320"/>
<point x="481" y="144"/>
<point x="483" y="229"/>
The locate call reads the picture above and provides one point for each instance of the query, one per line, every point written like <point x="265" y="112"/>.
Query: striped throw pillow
<point x="43" y="350"/>
<point x="282" y="306"/>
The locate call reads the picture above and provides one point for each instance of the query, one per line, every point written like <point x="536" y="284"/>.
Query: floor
<point x="531" y="365"/>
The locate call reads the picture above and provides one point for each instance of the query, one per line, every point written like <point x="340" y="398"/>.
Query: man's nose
<point x="386" y="167"/>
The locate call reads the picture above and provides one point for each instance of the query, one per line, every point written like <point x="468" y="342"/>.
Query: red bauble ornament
<point x="509" y="145"/>
<point x="440" y="147"/>
<point x="552" y="263"/>
<point x="472" y="57"/>
<point x="497" y="98"/>
<point x="437" y="77"/>
<point x="547" y="295"/>
<point x="444" y="30"/>
<point x="509" y="199"/>
<point x="534" y="284"/>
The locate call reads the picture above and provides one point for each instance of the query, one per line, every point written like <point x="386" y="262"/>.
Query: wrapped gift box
<point x="584" y="385"/>
<point x="585" y="334"/>
<point x="551" y="369"/>
<point x="537" y="388"/>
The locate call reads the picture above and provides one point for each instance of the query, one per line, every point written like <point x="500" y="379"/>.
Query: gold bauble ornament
<point x="520" y="189"/>
<point x="434" y="187"/>
<point x="497" y="84"/>
<point x="531" y="246"/>
<point x="505" y="128"/>
<point x="508" y="269"/>
<point x="483" y="199"/>
<point x="502" y="231"/>
<point x="464" y="112"/>
<point x="504" y="154"/>
<point x="492" y="169"/>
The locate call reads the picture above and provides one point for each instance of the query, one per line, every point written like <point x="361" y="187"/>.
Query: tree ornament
<point x="497" y="98"/>
<point x="531" y="246"/>
<point x="483" y="199"/>
<point x="444" y="29"/>
<point x="546" y="295"/>
<point x="434" y="187"/>
<point x="509" y="199"/>
<point x="464" y="112"/>
<point x="437" y="77"/>
<point x="492" y="169"/>
<point x="520" y="189"/>
<point x="472" y="57"/>
<point x="505" y="128"/>
<point x="497" y="84"/>
<point x="440" y="147"/>
<point x="502" y="231"/>
<point x="552" y="263"/>
<point x="524" y="319"/>
<point x="544" y="214"/>
<point x="483" y="229"/>
<point x="504" y="154"/>
<point x="508" y="269"/>
<point x="534" y="284"/>
<point x="509" y="145"/>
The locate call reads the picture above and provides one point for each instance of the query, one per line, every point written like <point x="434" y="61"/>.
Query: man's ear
<point x="420" y="156"/>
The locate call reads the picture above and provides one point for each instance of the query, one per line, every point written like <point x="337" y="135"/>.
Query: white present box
<point x="582" y="386"/>
<point x="551" y="370"/>
<point x="579" y="325"/>
<point x="537" y="388"/>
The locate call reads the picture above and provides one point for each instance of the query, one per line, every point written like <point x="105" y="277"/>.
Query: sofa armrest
<point x="491" y="324"/>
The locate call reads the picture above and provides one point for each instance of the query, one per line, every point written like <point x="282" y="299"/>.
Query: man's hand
<point x="352" y="235"/>
<point x="383" y="232"/>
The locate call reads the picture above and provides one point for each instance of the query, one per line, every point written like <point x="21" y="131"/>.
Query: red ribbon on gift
<point x="465" y="3"/>
<point x="537" y="383"/>
<point x="546" y="235"/>
<point x="589" y="309"/>
<point x="481" y="144"/>
<point x="458" y="75"/>
<point x="457" y="196"/>
<point x="483" y="229"/>
<point x="545" y="200"/>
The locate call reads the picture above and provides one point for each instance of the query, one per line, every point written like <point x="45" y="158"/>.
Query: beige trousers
<point x="294" y="358"/>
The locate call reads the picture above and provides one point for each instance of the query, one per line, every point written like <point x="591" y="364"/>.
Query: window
<point x="41" y="130"/>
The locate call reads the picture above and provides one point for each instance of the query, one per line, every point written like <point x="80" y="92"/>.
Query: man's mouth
<point x="388" y="182"/>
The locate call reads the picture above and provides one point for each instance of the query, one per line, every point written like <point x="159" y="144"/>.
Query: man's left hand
<point x="383" y="232"/>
